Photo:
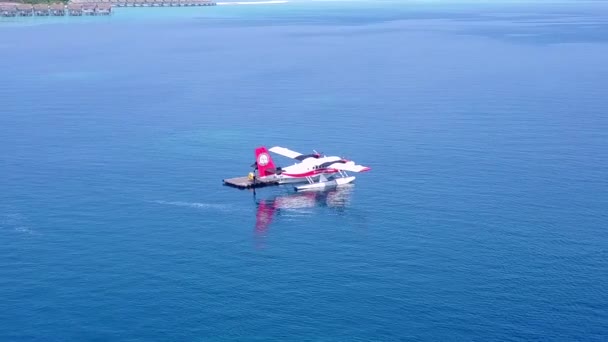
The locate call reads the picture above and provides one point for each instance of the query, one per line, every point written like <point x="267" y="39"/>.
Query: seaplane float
<point x="316" y="171"/>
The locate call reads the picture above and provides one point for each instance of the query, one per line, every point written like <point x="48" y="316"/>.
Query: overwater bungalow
<point x="25" y="10"/>
<point x="57" y="10"/>
<point x="8" y="10"/>
<point x="75" y="9"/>
<point x="103" y="9"/>
<point x="41" y="10"/>
<point x="88" y="9"/>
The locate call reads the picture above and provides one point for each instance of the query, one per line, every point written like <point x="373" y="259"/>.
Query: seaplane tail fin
<point x="349" y="166"/>
<point x="264" y="162"/>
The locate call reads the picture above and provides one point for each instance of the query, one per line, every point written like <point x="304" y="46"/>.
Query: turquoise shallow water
<point x="483" y="217"/>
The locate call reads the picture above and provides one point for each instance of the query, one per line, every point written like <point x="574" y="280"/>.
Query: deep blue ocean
<point x="484" y="217"/>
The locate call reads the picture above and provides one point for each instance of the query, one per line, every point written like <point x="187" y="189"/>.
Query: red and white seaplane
<point x="319" y="171"/>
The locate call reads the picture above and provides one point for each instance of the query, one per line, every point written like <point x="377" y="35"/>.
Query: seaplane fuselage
<point x="311" y="168"/>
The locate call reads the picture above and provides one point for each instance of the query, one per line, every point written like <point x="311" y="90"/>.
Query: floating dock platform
<point x="246" y="183"/>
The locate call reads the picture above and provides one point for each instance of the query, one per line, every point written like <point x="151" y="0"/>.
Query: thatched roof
<point x="7" y="6"/>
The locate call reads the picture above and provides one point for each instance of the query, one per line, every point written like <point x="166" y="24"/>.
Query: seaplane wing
<point x="349" y="166"/>
<point x="285" y="152"/>
<point x="293" y="154"/>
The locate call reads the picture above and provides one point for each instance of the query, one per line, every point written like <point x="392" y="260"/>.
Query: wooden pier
<point x="247" y="183"/>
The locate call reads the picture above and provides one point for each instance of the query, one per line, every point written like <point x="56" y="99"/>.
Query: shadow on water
<point x="300" y="204"/>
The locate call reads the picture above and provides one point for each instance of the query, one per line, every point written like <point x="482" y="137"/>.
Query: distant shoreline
<point x="146" y="3"/>
<point x="38" y="8"/>
<point x="88" y="7"/>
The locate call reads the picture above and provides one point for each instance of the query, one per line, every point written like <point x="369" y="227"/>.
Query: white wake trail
<point x="198" y="205"/>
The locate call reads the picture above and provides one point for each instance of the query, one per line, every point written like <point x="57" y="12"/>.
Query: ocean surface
<point x="484" y="216"/>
